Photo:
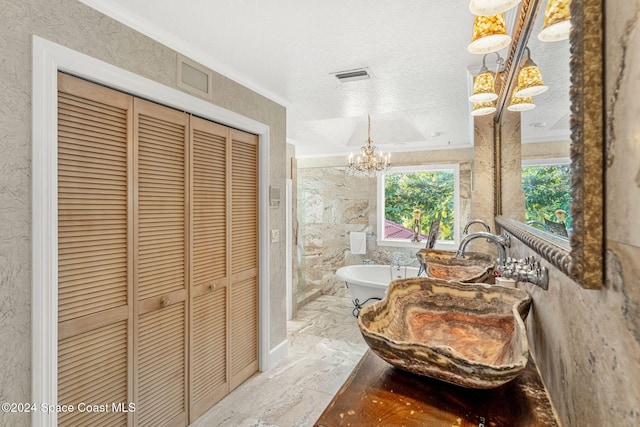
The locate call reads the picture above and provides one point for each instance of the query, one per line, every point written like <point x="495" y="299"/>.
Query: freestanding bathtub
<point x="368" y="283"/>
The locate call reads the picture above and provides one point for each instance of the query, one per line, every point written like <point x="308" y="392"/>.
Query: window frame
<point x="380" y="216"/>
<point x="555" y="161"/>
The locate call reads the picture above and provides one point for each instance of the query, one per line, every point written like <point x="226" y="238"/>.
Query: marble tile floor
<point x="324" y="347"/>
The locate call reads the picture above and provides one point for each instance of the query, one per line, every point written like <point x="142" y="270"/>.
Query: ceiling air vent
<point x="353" y="75"/>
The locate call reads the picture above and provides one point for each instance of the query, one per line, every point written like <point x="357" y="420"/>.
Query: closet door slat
<point x="94" y="258"/>
<point x="161" y="268"/>
<point x="92" y="369"/>
<point x="161" y="366"/>
<point x="161" y="213"/>
<point x="244" y="257"/>
<point x="209" y="269"/>
<point x="77" y="226"/>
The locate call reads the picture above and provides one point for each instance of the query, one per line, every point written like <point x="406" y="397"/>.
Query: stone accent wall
<point x="329" y="207"/>
<point x="513" y="201"/>
<point x="483" y="206"/>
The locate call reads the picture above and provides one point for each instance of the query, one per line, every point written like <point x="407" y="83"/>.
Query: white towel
<point x="358" y="242"/>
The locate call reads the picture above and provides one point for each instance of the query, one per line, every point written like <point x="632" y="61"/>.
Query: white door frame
<point x="48" y="59"/>
<point x="288" y="247"/>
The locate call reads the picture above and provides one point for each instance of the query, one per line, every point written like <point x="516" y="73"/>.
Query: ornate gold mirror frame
<point x="584" y="261"/>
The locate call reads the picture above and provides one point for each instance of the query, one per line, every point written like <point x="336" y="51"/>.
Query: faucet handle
<point x="505" y="240"/>
<point x="528" y="269"/>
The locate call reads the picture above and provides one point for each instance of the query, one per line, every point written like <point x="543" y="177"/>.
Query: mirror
<point x="581" y="256"/>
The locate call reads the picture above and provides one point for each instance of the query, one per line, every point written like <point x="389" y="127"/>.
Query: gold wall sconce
<point x="557" y="21"/>
<point x="489" y="34"/>
<point x="521" y="103"/>
<point x="484" y="83"/>
<point x="530" y="81"/>
<point x="483" y="108"/>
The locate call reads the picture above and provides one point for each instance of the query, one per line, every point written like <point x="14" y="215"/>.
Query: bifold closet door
<point x="244" y="257"/>
<point x="157" y="259"/>
<point x="161" y="264"/>
<point x="95" y="311"/>
<point x="209" y="371"/>
<point x="224" y="290"/>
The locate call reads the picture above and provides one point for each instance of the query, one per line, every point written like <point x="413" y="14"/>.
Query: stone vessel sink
<point x="474" y="267"/>
<point x="469" y="334"/>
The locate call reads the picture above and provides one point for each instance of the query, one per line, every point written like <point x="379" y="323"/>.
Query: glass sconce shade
<point x="557" y="21"/>
<point x="529" y="79"/>
<point x="484" y="83"/>
<point x="489" y="34"/>
<point x="521" y="104"/>
<point x="483" y="108"/>
<point x="491" y="7"/>
<point x="484" y="87"/>
<point x="530" y="82"/>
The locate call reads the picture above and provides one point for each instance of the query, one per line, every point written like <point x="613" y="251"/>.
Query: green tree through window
<point x="547" y="188"/>
<point x="430" y="191"/>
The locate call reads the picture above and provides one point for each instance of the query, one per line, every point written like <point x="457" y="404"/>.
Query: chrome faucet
<point x="502" y="242"/>
<point x="526" y="270"/>
<point x="395" y="261"/>
<point x="476" y="221"/>
<point x="398" y="261"/>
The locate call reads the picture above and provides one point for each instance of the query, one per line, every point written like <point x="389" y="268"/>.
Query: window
<point x="434" y="190"/>
<point x="546" y="184"/>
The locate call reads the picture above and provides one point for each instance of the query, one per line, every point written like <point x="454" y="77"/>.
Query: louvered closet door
<point x="94" y="263"/>
<point x="161" y="265"/>
<point x="209" y="269"/>
<point x="244" y="256"/>
<point x="158" y="258"/>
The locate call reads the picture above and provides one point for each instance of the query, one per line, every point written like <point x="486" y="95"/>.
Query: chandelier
<point x="369" y="164"/>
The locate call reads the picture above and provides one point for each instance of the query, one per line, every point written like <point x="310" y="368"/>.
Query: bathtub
<point x="368" y="283"/>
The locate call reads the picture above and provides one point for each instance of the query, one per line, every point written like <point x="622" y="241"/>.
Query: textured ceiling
<point x="416" y="51"/>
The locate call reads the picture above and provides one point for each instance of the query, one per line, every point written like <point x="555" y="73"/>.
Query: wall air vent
<point x="194" y="78"/>
<point x="353" y="75"/>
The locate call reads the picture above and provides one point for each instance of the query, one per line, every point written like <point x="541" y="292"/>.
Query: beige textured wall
<point x="331" y="204"/>
<point x="72" y="24"/>
<point x="586" y="342"/>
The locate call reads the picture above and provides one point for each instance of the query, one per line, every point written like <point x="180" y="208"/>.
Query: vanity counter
<point x="377" y="394"/>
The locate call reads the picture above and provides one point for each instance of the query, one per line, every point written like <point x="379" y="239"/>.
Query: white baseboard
<point x="278" y="353"/>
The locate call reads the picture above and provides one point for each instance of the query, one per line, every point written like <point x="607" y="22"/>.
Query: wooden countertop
<point x="377" y="394"/>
